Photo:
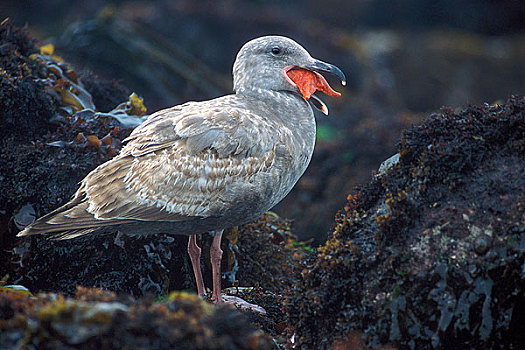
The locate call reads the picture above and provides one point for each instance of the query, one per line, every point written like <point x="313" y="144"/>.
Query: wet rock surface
<point x="48" y="145"/>
<point x="265" y="255"/>
<point x="94" y="318"/>
<point x="428" y="254"/>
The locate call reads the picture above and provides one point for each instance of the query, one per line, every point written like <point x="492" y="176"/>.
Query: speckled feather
<point x="205" y="165"/>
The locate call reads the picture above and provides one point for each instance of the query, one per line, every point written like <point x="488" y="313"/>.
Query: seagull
<point x="210" y="165"/>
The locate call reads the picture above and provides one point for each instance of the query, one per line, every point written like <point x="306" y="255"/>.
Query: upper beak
<point x="321" y="66"/>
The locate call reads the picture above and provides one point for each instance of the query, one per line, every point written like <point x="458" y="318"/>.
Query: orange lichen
<point x="353" y="202"/>
<point x="94" y="141"/>
<point x="309" y="82"/>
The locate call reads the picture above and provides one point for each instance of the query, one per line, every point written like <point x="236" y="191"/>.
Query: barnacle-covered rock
<point x="43" y="104"/>
<point x="428" y="254"/>
<point x="21" y="92"/>
<point x="96" y="318"/>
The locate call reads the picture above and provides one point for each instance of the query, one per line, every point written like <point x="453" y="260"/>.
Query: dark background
<point x="403" y="59"/>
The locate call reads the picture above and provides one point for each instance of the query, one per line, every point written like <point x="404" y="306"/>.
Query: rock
<point x="428" y="255"/>
<point x="96" y="318"/>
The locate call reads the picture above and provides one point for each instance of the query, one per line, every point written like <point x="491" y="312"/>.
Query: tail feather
<point x="70" y="234"/>
<point x="68" y="221"/>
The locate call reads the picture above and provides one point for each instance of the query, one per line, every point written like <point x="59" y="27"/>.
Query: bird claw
<point x="242" y="304"/>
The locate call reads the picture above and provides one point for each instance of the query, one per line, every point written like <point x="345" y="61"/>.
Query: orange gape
<point x="308" y="82"/>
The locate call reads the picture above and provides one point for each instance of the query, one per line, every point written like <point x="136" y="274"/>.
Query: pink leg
<point x="195" y="255"/>
<point x="216" y="256"/>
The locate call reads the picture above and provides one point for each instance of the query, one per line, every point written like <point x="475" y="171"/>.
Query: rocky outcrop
<point x="430" y="253"/>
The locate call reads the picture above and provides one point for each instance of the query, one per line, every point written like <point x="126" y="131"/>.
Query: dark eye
<point x="276" y="50"/>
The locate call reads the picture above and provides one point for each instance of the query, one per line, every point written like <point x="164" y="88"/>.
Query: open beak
<point x="308" y="79"/>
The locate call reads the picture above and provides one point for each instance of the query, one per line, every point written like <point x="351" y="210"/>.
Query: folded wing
<point x="176" y="166"/>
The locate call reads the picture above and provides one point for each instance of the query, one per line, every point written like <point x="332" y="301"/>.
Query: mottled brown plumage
<point x="204" y="166"/>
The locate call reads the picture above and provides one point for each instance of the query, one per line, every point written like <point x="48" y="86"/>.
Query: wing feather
<point x="178" y="165"/>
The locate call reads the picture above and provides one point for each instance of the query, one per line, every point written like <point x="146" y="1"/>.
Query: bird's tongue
<point x="309" y="81"/>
